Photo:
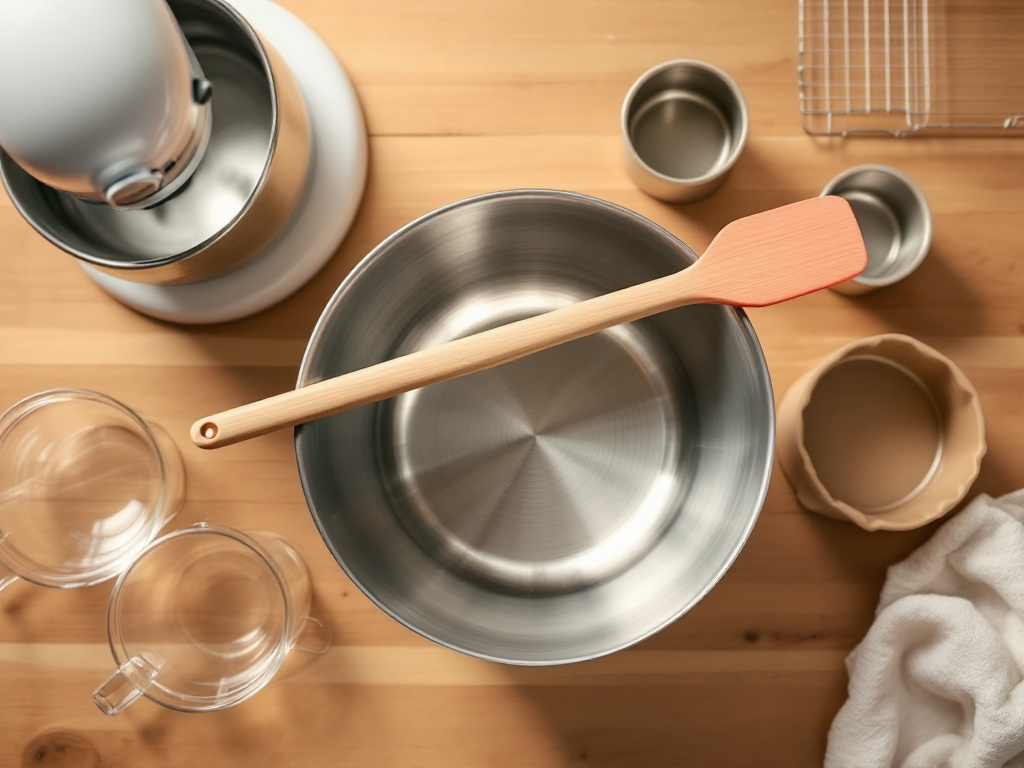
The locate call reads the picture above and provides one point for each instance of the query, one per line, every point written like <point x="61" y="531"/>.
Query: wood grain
<point x="461" y="98"/>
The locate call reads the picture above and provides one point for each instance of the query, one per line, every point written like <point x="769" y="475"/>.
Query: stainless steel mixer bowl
<point x="559" y="507"/>
<point x="240" y="196"/>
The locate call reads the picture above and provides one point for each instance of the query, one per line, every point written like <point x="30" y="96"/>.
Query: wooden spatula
<point x="753" y="262"/>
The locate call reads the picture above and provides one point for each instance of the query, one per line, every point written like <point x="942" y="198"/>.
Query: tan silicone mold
<point x="961" y="426"/>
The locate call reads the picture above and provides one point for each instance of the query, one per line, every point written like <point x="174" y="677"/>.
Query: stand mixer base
<point x="337" y="176"/>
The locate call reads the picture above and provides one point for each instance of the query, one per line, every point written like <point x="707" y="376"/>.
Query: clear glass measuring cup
<point x="85" y="485"/>
<point x="204" y="618"/>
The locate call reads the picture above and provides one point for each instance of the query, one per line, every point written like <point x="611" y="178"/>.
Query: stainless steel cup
<point x="894" y="219"/>
<point x="684" y="124"/>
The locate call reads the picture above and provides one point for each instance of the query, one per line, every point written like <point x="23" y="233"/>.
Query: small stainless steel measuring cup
<point x="894" y="219"/>
<point x="684" y="124"/>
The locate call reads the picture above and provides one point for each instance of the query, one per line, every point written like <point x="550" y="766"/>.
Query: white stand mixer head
<point x="103" y="100"/>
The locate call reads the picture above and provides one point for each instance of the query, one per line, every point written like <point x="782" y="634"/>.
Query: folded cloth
<point x="937" y="680"/>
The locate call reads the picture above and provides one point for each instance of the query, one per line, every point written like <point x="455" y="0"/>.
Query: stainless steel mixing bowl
<point x="556" y="508"/>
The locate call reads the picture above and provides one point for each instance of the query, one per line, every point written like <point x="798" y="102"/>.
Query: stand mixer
<point x="203" y="159"/>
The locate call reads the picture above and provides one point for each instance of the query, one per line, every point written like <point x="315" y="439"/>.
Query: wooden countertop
<point x="463" y="98"/>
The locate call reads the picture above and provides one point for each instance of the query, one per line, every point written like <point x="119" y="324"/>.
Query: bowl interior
<point x="559" y="507"/>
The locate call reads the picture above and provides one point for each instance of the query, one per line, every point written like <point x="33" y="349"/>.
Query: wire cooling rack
<point x="906" y="67"/>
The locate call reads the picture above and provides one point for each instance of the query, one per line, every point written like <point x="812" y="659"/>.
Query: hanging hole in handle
<point x="313" y="636"/>
<point x="127" y="684"/>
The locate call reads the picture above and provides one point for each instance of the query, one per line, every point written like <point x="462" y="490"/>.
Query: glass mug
<point x="205" y="617"/>
<point x="85" y="485"/>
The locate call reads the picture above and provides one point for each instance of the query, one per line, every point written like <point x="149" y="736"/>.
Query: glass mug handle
<point x="313" y="636"/>
<point x="128" y="683"/>
<point x="7" y="576"/>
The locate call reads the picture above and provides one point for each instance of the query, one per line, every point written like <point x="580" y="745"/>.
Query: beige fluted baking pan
<point x="885" y="432"/>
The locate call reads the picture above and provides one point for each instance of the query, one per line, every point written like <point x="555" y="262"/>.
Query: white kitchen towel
<point x="937" y="680"/>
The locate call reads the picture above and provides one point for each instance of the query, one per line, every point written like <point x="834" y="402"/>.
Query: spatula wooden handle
<point x="435" y="364"/>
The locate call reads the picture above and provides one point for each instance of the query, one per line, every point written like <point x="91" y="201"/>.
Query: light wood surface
<point x="462" y="98"/>
<point x="756" y="261"/>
